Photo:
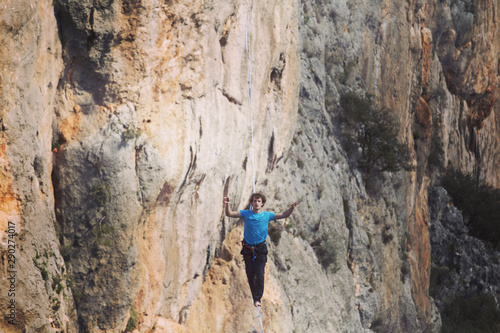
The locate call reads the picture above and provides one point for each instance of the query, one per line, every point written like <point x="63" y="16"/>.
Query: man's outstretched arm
<point x="287" y="213"/>
<point x="229" y="212"/>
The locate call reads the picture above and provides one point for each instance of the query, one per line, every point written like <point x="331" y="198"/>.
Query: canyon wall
<point x="124" y="123"/>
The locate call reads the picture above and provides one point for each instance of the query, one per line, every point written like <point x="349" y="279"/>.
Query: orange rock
<point x="426" y="58"/>
<point x="70" y="126"/>
<point x="420" y="257"/>
<point x="423" y="113"/>
<point x="10" y="210"/>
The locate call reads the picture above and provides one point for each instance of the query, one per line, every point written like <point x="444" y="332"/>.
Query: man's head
<point x="260" y="196"/>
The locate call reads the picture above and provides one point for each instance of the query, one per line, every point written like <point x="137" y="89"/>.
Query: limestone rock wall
<point x="123" y="124"/>
<point x="31" y="66"/>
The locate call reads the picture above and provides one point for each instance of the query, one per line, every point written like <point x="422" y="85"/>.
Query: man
<point x="254" y="251"/>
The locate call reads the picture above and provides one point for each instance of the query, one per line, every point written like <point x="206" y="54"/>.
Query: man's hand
<point x="229" y="212"/>
<point x="284" y="215"/>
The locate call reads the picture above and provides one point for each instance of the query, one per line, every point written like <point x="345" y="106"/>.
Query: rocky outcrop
<point x="462" y="266"/>
<point x="123" y="124"/>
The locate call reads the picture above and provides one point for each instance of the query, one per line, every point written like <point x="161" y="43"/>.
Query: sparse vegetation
<point x="325" y="252"/>
<point x="100" y="192"/>
<point x="65" y="252"/>
<point x="471" y="314"/>
<point x="56" y="284"/>
<point x="387" y="235"/>
<point x="45" y="273"/>
<point x="56" y="304"/>
<point x="101" y="230"/>
<point x="375" y="132"/>
<point x="275" y="232"/>
<point x="370" y="239"/>
<point x="133" y="321"/>
<point x="479" y="203"/>
<point x="56" y="143"/>
<point x="131" y="134"/>
<point x="42" y="267"/>
<point x="438" y="276"/>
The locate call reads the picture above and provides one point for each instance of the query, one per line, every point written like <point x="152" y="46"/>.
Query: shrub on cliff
<point x="375" y="132"/>
<point x="471" y="314"/>
<point x="479" y="203"/>
<point x="324" y="248"/>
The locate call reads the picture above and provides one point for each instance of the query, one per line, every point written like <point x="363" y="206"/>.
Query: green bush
<point x="133" y="321"/>
<point x="275" y="232"/>
<point x="56" y="284"/>
<point x="325" y="252"/>
<point x="100" y="192"/>
<point x="130" y="134"/>
<point x="376" y="132"/>
<point x="438" y="276"/>
<point x="471" y="314"/>
<point x="45" y="273"/>
<point x="479" y="203"/>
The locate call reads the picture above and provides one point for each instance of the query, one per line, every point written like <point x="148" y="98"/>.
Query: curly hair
<point x="258" y="196"/>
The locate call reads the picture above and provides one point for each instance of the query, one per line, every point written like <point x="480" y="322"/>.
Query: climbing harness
<point x="259" y="315"/>
<point x="252" y="247"/>
<point x="249" y="83"/>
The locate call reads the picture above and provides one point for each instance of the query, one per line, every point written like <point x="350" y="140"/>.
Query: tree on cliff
<point x="479" y="203"/>
<point x="375" y="131"/>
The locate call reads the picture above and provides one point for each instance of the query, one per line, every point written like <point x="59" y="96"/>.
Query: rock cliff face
<point x="464" y="270"/>
<point x="123" y="124"/>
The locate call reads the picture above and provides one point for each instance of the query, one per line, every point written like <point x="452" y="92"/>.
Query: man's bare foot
<point x="257" y="304"/>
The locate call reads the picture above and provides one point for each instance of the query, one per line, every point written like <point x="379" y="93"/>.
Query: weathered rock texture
<point x="123" y="124"/>
<point x="462" y="264"/>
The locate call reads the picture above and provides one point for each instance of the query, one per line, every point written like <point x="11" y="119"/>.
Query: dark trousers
<point x="255" y="263"/>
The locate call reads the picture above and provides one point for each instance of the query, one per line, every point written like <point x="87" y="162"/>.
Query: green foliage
<point x="101" y="231"/>
<point x="479" y="203"/>
<point x="104" y="229"/>
<point x="370" y="239"/>
<point x="376" y="133"/>
<point x="65" y="251"/>
<point x="42" y="267"/>
<point x="130" y="134"/>
<point x="132" y="321"/>
<point x="56" y="143"/>
<point x="69" y="281"/>
<point x="100" y="192"/>
<point x="471" y="314"/>
<point x="438" y="276"/>
<point x="56" y="284"/>
<point x="104" y="242"/>
<point x="356" y="107"/>
<point x="56" y="304"/>
<point x="275" y="233"/>
<point x="325" y="252"/>
<point x="45" y="273"/>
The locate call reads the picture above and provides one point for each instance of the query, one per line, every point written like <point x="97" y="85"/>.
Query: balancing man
<point x="254" y="247"/>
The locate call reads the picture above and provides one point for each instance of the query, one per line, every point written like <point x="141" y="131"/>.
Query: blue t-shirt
<point x="256" y="226"/>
